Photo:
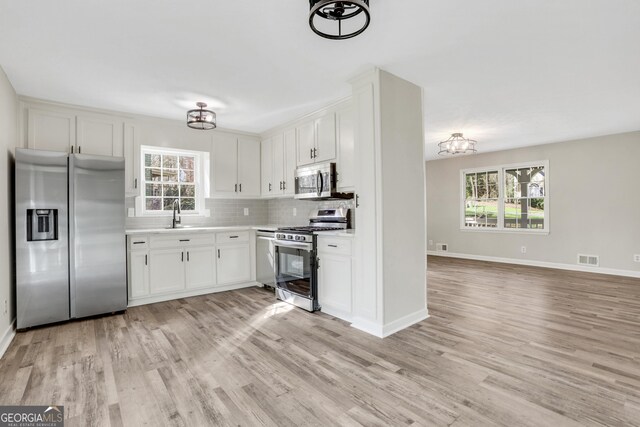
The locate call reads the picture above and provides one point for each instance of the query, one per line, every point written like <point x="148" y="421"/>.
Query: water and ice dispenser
<point x="42" y="224"/>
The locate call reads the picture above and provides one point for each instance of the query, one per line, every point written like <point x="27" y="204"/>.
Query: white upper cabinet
<point x="346" y="150"/>
<point x="51" y="130"/>
<point x="306" y="143"/>
<point x="266" y="167"/>
<point x="289" y="162"/>
<point x="60" y="129"/>
<point x="99" y="135"/>
<point x="248" y="167"/>
<point x="131" y="148"/>
<point x="317" y="140"/>
<point x="225" y="164"/>
<point x="235" y="166"/>
<point x="279" y="164"/>
<point x="325" y="149"/>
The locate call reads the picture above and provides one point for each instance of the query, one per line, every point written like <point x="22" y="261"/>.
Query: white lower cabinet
<point x="200" y="267"/>
<point x="169" y="266"/>
<point x="138" y="274"/>
<point x="234" y="263"/>
<point x="166" y="270"/>
<point x="335" y="276"/>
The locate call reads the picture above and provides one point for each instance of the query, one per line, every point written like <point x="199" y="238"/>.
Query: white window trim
<point x="500" y="228"/>
<point x="201" y="181"/>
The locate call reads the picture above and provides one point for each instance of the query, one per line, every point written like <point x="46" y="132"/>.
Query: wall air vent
<point x="589" y="260"/>
<point x="442" y="247"/>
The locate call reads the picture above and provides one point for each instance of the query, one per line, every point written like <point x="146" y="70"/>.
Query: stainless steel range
<point x="296" y="265"/>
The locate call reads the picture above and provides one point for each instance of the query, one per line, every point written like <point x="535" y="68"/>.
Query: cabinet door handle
<point x="185" y="240"/>
<point x="135" y="183"/>
<point x="269" y="186"/>
<point x="218" y="253"/>
<point x="79" y="149"/>
<point x="281" y="185"/>
<point x="357" y="201"/>
<point x="311" y="153"/>
<point x="72" y="149"/>
<point x="146" y="258"/>
<point x="233" y="237"/>
<point x="284" y="185"/>
<point x="187" y="256"/>
<point x="314" y="153"/>
<point x="333" y="246"/>
<point x="240" y="185"/>
<point x="236" y="189"/>
<point x="182" y="256"/>
<point x="138" y="243"/>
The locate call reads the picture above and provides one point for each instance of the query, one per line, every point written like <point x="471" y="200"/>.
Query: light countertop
<point x="197" y="229"/>
<point x="200" y="229"/>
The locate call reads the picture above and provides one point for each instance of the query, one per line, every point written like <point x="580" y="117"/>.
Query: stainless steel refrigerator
<point x="70" y="238"/>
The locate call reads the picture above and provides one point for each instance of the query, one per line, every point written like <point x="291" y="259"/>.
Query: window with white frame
<point x="171" y="176"/>
<point x="506" y="198"/>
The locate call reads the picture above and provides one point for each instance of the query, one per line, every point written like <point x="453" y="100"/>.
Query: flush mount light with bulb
<point x="200" y="118"/>
<point x="457" y="144"/>
<point x="339" y="20"/>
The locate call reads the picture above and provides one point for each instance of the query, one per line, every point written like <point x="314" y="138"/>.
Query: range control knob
<point x="299" y="237"/>
<point x="290" y="237"/>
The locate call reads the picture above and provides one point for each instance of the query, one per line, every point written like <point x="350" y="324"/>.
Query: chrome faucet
<point x="176" y="222"/>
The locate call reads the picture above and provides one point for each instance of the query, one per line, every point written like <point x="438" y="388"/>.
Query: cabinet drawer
<point x="232" y="237"/>
<point x="174" y="241"/>
<point x="333" y="245"/>
<point x="138" y="242"/>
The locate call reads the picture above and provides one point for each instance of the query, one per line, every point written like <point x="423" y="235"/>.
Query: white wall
<point x="594" y="203"/>
<point x="8" y="139"/>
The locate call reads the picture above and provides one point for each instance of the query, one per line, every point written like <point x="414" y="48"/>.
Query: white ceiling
<point x="507" y="73"/>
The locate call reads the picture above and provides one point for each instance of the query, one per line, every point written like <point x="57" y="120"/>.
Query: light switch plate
<point x="246" y="211"/>
<point x="636" y="258"/>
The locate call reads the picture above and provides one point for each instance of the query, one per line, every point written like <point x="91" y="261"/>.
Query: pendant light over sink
<point x="339" y="20"/>
<point x="200" y="118"/>
<point x="457" y="144"/>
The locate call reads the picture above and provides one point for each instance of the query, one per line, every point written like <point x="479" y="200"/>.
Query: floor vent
<point x="442" y="247"/>
<point x="589" y="260"/>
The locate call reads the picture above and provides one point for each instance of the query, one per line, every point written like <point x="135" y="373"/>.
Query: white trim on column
<point x="7" y="337"/>
<point x="543" y="264"/>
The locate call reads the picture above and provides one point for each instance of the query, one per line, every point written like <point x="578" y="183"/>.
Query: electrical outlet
<point x="295" y="212"/>
<point x="430" y="242"/>
<point x="636" y="258"/>
<point x="246" y="211"/>
<point x="523" y="249"/>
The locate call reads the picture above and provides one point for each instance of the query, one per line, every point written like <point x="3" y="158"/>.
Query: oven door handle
<point x="305" y="246"/>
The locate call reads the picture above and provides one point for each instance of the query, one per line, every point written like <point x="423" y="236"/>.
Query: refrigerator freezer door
<point x="42" y="264"/>
<point x="97" y="236"/>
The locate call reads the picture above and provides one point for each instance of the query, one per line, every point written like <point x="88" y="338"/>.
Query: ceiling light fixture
<point x="457" y="144"/>
<point x="327" y="18"/>
<point x="200" y="118"/>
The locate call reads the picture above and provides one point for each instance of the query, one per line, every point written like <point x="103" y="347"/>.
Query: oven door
<point x="295" y="269"/>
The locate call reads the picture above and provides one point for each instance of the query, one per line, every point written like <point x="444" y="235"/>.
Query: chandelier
<point x="339" y="20"/>
<point x="200" y="118"/>
<point x="457" y="144"/>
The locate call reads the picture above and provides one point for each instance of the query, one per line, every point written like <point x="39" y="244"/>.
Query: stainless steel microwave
<point x="318" y="182"/>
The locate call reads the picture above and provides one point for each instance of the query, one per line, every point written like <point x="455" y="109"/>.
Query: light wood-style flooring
<point x="505" y="345"/>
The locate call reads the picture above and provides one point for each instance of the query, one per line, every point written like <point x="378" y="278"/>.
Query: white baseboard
<point x="7" y="337"/>
<point x="404" y="322"/>
<point x="383" y="331"/>
<point x="186" y="294"/>
<point x="543" y="264"/>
